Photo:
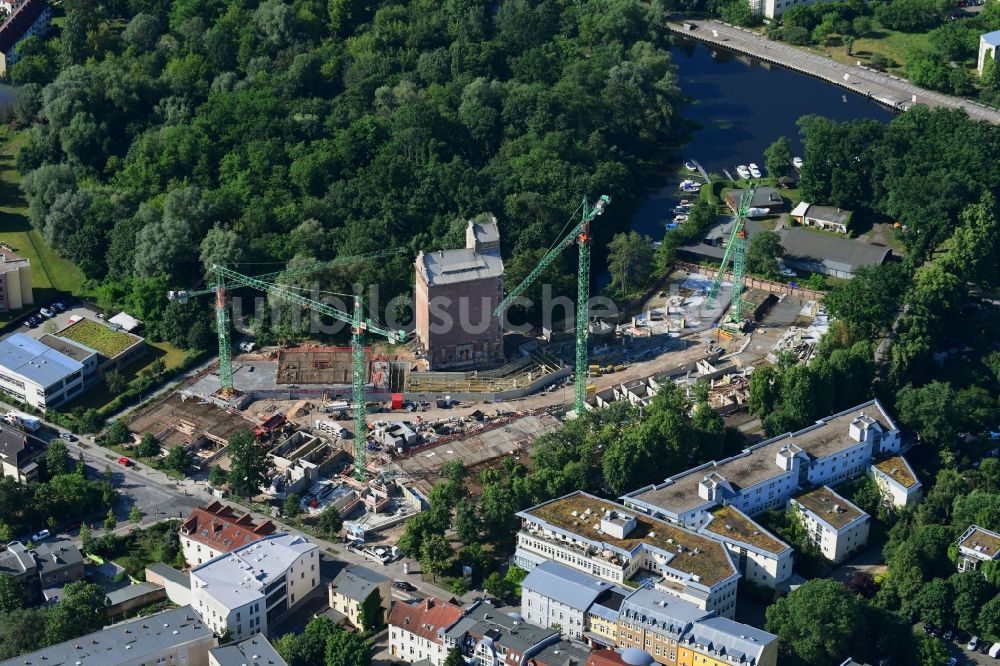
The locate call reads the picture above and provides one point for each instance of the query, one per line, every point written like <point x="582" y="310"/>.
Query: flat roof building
<point x="253" y="587"/>
<point x="456" y="294"/>
<point x="977" y="545"/>
<point x="15" y="281"/>
<point x="832" y="523"/>
<point x="29" y="18"/>
<point x="38" y="375"/>
<point x="988" y="44"/>
<point x="215" y="529"/>
<point x="897" y="481"/>
<point x="175" y="636"/>
<point x="762" y="558"/>
<point x="581" y="532"/>
<point x="766" y="475"/>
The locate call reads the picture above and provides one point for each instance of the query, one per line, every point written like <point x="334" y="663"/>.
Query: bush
<point x="880" y="62"/>
<point x="796" y="35"/>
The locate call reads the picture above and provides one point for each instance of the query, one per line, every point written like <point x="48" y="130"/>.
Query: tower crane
<point x="735" y="249"/>
<point x="226" y="278"/>
<point x="580" y="234"/>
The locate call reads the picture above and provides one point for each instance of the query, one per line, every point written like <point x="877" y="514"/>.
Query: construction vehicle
<point x="580" y="235"/>
<point x="735" y="250"/>
<point x="225" y="278"/>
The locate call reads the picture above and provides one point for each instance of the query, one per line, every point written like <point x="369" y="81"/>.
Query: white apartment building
<point x="417" y="629"/>
<point x="766" y="475"/>
<point x="601" y="538"/>
<point x="897" y="481"/>
<point x="249" y="589"/>
<point x="553" y="596"/>
<point x="833" y="524"/>
<point x="761" y="557"/>
<point x="41" y="375"/>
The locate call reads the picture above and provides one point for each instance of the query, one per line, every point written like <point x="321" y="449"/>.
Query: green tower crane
<point x="223" y="277"/>
<point x="580" y="234"/>
<point x="735" y="249"/>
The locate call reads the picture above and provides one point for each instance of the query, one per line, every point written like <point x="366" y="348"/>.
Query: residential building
<point x="19" y="454"/>
<point x="561" y="653"/>
<point x="601" y="619"/>
<point x="977" y="545"/>
<point x="555" y="596"/>
<point x="456" y="294"/>
<point x="417" y="629"/>
<point x="988" y="44"/>
<point x="15" y="278"/>
<point x="352" y="588"/>
<point x="253" y="651"/>
<point x="833" y="524"/>
<point x="676" y="632"/>
<point x="897" y="481"/>
<point x="216" y="529"/>
<point x="829" y="255"/>
<point x="40" y="375"/>
<point x="30" y="18"/>
<point x="60" y="562"/>
<point x="766" y="198"/>
<point x="602" y="538"/>
<point x="488" y="637"/>
<point x="253" y="587"/>
<point x="827" y="218"/>
<point x="19" y="563"/>
<point x="174" y="637"/>
<point x="761" y="557"/>
<point x="766" y="475"/>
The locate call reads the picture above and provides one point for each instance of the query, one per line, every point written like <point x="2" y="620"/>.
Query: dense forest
<point x="166" y="136"/>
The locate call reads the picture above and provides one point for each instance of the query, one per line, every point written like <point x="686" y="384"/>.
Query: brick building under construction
<point x="456" y="293"/>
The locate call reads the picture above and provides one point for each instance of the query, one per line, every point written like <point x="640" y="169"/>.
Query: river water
<point x="742" y="106"/>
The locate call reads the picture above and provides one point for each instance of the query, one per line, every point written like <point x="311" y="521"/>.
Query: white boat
<point x="680" y="218"/>
<point x="758" y="212"/>
<point x="754" y="170"/>
<point x="690" y="166"/>
<point x="743" y="171"/>
<point x="797" y="162"/>
<point x="690" y="186"/>
<point x="685" y="202"/>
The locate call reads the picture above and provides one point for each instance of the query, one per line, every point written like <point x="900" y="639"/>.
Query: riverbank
<point x="886" y="89"/>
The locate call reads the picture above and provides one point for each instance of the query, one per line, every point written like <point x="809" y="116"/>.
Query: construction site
<point x="367" y="427"/>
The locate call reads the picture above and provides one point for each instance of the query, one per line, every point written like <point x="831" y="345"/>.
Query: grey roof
<point x="71" y="348"/>
<point x="763" y="197"/>
<point x="828" y="213"/>
<point x="991" y="38"/>
<point x="563" y="653"/>
<point x="130" y="592"/>
<point x="660" y="611"/>
<point x="730" y="638"/>
<point x="609" y="604"/>
<point x="26" y="356"/>
<point x="127" y="642"/>
<point x="462" y="265"/>
<point x="12" y="444"/>
<point x="484" y="620"/>
<point x="564" y="585"/>
<point x="486" y="233"/>
<point x="807" y="246"/>
<point x="254" y="651"/>
<point x="57" y="554"/>
<point x="357" y="582"/>
<point x="169" y="573"/>
<point x="16" y="560"/>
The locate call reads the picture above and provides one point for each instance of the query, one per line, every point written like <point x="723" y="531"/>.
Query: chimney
<point x="441" y="253"/>
<point x="428" y="603"/>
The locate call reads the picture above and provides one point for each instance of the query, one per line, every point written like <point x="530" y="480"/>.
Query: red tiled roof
<point x="605" y="658"/>
<point x="220" y="527"/>
<point x="425" y="618"/>
<point x="19" y="22"/>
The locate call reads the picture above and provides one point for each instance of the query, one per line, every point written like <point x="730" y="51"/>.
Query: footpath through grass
<point x="50" y="273"/>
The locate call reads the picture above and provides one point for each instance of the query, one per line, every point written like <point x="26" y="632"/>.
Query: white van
<point x="995" y="650"/>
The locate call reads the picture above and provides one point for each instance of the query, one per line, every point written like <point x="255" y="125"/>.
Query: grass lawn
<point x="50" y="273"/>
<point x="98" y="396"/>
<point x="893" y="44"/>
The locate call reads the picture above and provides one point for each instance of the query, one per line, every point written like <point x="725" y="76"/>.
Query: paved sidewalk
<point x="885" y="88"/>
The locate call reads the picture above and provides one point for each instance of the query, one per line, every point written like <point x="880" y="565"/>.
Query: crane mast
<point x="735" y="250"/>
<point x="580" y="235"/>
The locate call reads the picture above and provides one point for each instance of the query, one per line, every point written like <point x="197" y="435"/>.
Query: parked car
<point x="948" y="634"/>
<point x="40" y="536"/>
<point x="68" y="436"/>
<point x="48" y="314"/>
<point x="973" y="644"/>
<point x="58" y="306"/>
<point x="31" y="322"/>
<point x="403" y="585"/>
<point x="124" y="462"/>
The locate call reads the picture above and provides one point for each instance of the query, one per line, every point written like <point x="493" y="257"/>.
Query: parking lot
<point x="57" y="323"/>
<point x="957" y="648"/>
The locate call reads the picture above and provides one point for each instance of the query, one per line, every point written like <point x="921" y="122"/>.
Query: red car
<point x="124" y="462"/>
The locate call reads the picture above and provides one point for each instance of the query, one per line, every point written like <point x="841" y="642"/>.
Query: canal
<point x="742" y="105"/>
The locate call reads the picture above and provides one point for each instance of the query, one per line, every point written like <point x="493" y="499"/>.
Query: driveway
<point x="870" y="560"/>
